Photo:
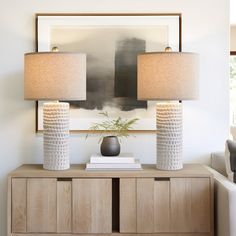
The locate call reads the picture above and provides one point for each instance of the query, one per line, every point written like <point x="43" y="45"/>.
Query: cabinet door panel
<point x="180" y="189"/>
<point x="64" y="201"/>
<point x="145" y="205"/>
<point x="92" y="206"/>
<point x="200" y="206"/>
<point x="162" y="206"/>
<point x="41" y="205"/>
<point x="190" y="204"/>
<point x="180" y="205"/>
<point x="18" y="205"/>
<point x="128" y="205"/>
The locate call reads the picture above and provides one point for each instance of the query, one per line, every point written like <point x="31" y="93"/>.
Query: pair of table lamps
<point x="163" y="76"/>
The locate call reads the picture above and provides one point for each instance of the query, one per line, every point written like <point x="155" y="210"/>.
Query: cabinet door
<point x="201" y="204"/>
<point x="162" y="205"/>
<point x="64" y="206"/>
<point x="145" y="205"/>
<point x="92" y="205"/>
<point x="18" y="203"/>
<point x="128" y="210"/>
<point x="41" y="205"/>
<point x="177" y="205"/>
<point x="153" y="209"/>
<point x="190" y="204"/>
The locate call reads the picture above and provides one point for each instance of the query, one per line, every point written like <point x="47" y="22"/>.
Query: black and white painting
<point x="112" y="44"/>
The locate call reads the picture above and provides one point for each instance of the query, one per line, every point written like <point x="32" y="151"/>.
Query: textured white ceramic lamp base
<point x="56" y="135"/>
<point x="169" y="137"/>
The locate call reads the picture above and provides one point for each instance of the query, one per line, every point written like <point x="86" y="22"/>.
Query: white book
<point x="122" y="158"/>
<point x="114" y="166"/>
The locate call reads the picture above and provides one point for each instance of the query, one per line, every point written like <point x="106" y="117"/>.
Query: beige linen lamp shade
<point x="55" y="76"/>
<point x="168" y="76"/>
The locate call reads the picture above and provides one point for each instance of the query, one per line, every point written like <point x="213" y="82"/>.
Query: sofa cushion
<point x="218" y="162"/>
<point x="230" y="159"/>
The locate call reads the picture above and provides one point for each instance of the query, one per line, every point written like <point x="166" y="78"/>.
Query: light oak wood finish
<point x="162" y="206"/>
<point x="200" y="202"/>
<point x="41" y="205"/>
<point x="18" y="205"/>
<point x="145" y="205"/>
<point x="161" y="203"/>
<point x="92" y="207"/>
<point x="64" y="206"/>
<point x="180" y="205"/>
<point x="117" y="234"/>
<point x="78" y="171"/>
<point x="190" y="205"/>
<point x="9" y="206"/>
<point x="128" y="210"/>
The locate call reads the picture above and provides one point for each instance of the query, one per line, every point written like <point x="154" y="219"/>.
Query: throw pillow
<point x="230" y="159"/>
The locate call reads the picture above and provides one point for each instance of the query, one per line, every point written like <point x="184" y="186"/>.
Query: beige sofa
<point x="225" y="198"/>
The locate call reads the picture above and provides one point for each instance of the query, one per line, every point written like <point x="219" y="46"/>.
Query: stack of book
<point x="124" y="161"/>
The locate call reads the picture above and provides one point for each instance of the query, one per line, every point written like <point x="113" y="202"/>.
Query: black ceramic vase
<point x="110" y="146"/>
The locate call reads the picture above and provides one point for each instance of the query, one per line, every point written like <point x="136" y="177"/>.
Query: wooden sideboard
<point x="75" y="202"/>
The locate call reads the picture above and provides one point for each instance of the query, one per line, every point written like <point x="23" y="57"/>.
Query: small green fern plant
<point x="119" y="127"/>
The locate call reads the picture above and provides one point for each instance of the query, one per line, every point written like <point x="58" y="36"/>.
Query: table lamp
<point x="168" y="77"/>
<point x="55" y="76"/>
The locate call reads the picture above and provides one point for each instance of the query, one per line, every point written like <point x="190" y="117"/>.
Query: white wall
<point x="233" y="38"/>
<point x="232" y="12"/>
<point x="206" y="121"/>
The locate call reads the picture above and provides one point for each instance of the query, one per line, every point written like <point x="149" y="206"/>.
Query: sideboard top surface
<point x="78" y="171"/>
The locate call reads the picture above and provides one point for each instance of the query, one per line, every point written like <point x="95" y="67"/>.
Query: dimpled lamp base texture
<point x="169" y="136"/>
<point x="56" y="135"/>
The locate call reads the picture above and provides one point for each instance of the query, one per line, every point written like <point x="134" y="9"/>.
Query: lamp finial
<point x="168" y="49"/>
<point x="55" y="49"/>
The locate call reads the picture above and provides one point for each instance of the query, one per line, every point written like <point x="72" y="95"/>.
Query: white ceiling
<point x="233" y="12"/>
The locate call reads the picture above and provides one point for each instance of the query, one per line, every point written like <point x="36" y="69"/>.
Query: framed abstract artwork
<point x="112" y="43"/>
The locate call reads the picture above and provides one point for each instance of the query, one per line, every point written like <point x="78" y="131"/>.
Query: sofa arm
<point x="225" y="205"/>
